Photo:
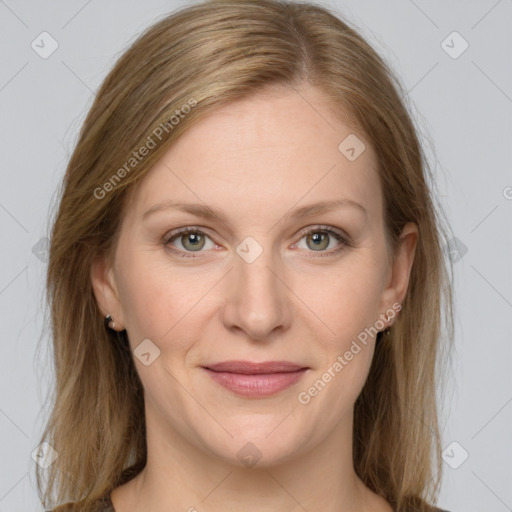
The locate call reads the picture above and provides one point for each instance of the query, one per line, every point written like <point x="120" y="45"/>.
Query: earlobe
<point x="105" y="291"/>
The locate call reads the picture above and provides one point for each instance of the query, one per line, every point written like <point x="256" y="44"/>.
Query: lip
<point x="255" y="380"/>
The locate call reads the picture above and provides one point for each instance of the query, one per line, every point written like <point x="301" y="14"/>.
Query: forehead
<point x="271" y="150"/>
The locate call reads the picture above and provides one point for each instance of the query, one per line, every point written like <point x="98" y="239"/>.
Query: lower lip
<point x="256" y="386"/>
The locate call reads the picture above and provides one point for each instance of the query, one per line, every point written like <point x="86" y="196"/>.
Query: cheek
<point x="346" y="301"/>
<point x="158" y="299"/>
<point x="344" y="356"/>
<point x="354" y="311"/>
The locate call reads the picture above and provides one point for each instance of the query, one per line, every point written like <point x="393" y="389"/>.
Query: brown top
<point x="103" y="504"/>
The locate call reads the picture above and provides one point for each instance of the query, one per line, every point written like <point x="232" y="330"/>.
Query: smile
<point x="255" y="380"/>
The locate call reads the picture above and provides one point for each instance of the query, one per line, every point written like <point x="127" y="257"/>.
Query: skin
<point x="255" y="160"/>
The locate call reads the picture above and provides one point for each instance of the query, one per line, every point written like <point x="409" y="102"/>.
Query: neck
<point x="181" y="476"/>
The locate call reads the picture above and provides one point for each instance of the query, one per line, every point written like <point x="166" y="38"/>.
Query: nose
<point x="257" y="298"/>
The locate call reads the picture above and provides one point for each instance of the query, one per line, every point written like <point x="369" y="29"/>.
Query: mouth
<point x="255" y="380"/>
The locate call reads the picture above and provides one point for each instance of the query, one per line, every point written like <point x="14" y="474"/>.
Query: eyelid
<point x="180" y="231"/>
<point x="324" y="227"/>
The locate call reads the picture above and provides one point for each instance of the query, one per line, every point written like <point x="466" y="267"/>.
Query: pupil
<point x="318" y="239"/>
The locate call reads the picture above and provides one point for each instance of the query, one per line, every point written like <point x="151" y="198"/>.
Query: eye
<point x="320" y="238"/>
<point x="191" y="240"/>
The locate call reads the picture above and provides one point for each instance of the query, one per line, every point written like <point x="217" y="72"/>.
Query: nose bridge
<point x="257" y="299"/>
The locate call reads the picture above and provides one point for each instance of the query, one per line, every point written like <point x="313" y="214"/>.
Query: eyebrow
<point x="208" y="212"/>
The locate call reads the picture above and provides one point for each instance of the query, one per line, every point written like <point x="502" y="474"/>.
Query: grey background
<point x="463" y="108"/>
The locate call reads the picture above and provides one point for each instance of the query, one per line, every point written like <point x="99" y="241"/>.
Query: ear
<point x="400" y="268"/>
<point x="106" y="292"/>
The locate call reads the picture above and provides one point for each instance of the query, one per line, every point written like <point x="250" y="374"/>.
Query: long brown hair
<point x="178" y="71"/>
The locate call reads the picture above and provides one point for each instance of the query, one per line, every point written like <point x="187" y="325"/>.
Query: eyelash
<point x="345" y="242"/>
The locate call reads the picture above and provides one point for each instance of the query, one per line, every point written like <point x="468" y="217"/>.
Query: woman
<point x="246" y="277"/>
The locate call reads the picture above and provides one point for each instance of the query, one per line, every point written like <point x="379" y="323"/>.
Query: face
<point x="269" y="279"/>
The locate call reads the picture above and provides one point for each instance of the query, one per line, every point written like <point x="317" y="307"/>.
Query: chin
<point x="260" y="442"/>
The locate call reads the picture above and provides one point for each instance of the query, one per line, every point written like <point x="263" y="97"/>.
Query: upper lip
<point x="252" y="368"/>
